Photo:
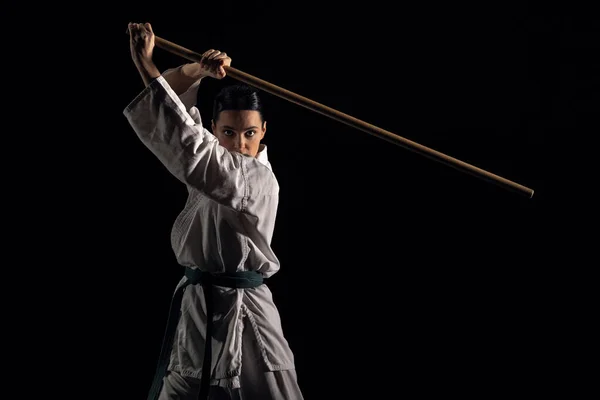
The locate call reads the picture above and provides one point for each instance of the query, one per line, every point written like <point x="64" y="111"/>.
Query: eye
<point x="250" y="133"/>
<point x="228" y="132"/>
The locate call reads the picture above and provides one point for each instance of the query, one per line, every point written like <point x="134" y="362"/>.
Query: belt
<point x="238" y="280"/>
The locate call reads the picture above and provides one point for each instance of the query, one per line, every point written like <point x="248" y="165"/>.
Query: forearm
<point x="147" y="70"/>
<point x="183" y="77"/>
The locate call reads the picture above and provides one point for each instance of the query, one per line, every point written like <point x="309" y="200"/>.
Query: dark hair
<point x="237" y="97"/>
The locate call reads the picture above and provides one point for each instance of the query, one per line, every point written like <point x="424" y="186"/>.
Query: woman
<point x="222" y="236"/>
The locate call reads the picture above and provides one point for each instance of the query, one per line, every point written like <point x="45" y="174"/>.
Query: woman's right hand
<point x="141" y="38"/>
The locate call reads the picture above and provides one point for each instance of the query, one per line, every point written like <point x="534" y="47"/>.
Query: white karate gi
<point x="226" y="225"/>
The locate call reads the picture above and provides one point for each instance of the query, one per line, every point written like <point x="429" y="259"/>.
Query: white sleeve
<point x="191" y="153"/>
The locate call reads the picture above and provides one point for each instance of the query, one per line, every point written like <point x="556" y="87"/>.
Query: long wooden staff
<point x="349" y="120"/>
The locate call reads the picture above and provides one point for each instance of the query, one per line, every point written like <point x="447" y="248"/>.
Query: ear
<point x="213" y="127"/>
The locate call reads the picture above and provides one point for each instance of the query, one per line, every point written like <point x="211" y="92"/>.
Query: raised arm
<point x="188" y="150"/>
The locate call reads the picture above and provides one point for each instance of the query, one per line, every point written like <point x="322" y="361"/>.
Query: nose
<point x="239" y="143"/>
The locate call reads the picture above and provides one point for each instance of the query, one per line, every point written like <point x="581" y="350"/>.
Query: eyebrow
<point x="233" y="129"/>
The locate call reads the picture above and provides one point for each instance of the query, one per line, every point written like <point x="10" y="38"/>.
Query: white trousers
<point x="276" y="385"/>
<point x="255" y="382"/>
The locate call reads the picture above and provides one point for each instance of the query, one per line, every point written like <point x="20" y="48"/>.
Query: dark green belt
<point x="242" y="279"/>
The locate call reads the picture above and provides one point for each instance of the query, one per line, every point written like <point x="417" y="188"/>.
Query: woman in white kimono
<point x="222" y="236"/>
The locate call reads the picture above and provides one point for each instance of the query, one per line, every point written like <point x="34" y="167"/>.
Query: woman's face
<point x="240" y="131"/>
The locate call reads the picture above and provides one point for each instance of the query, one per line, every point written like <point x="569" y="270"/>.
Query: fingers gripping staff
<point x="142" y="42"/>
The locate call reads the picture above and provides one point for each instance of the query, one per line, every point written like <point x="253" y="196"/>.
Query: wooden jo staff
<point x="349" y="120"/>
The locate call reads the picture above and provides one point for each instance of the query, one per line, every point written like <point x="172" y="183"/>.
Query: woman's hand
<point x="213" y="62"/>
<point x="141" y="43"/>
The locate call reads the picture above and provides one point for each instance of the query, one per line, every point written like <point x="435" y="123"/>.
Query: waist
<point x="238" y="280"/>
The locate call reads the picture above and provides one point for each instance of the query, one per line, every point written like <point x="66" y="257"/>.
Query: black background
<point x="399" y="274"/>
